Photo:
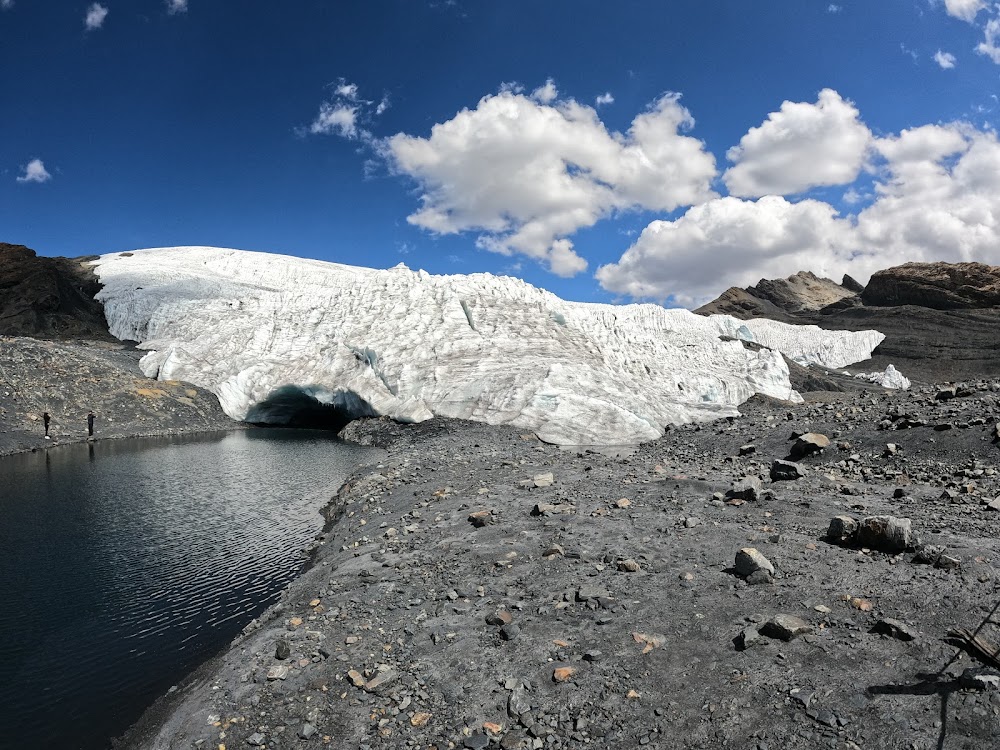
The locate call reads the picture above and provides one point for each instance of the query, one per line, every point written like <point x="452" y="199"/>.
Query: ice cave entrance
<point x="307" y="407"/>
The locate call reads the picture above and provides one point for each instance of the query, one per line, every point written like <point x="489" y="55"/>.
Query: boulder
<point x="782" y="471"/>
<point x="806" y="445"/>
<point x="748" y="488"/>
<point x="886" y="533"/>
<point x="785" y="627"/>
<point x="842" y="529"/>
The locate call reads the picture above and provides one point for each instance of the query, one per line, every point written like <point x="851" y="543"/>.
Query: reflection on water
<point x="123" y="564"/>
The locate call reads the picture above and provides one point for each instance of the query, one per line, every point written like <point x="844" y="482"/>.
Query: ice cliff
<point x="253" y="326"/>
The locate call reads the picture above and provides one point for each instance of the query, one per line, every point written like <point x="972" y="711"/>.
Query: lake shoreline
<point x="484" y="589"/>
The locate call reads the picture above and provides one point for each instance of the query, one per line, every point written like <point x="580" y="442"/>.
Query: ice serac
<point x="258" y="329"/>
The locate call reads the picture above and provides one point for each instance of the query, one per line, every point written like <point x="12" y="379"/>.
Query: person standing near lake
<point x="46" y="419"/>
<point x="90" y="424"/>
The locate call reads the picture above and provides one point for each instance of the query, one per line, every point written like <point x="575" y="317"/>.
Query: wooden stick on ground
<point x="976" y="645"/>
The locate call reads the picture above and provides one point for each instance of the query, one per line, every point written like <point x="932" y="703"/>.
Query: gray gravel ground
<point x="463" y="598"/>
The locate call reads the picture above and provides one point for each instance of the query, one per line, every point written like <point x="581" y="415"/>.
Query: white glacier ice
<point x="248" y="326"/>
<point x="891" y="378"/>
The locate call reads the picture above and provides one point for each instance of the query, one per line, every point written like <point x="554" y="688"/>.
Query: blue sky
<point x="306" y="128"/>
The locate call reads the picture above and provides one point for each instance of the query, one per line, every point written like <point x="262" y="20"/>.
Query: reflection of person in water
<point x="46" y="419"/>
<point x="90" y="424"/>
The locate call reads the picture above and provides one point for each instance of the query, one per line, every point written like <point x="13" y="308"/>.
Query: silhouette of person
<point x="46" y="419"/>
<point x="90" y="424"/>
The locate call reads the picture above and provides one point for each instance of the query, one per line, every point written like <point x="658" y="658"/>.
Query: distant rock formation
<point x="940" y="319"/>
<point x="780" y="299"/>
<point x="48" y="298"/>
<point x="939" y="286"/>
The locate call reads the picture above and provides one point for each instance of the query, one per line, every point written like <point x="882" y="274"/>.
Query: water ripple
<point x="124" y="564"/>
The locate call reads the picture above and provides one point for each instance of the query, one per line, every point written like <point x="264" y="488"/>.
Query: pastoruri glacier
<point x="256" y="327"/>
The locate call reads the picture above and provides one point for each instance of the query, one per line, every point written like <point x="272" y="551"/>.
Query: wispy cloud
<point x="35" y="171"/>
<point x="6" y="4"/>
<point x="177" y="6"/>
<point x="834" y="8"/>
<point x="336" y="119"/>
<point x="946" y="60"/>
<point x="94" y="19"/>
<point x="605" y="98"/>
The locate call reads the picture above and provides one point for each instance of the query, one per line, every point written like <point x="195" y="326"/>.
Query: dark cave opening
<point x="298" y="407"/>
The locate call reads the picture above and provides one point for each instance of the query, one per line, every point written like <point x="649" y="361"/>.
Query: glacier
<point x="262" y="330"/>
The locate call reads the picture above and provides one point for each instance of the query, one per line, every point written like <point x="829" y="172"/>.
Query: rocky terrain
<point x="68" y="379"/>
<point x="940" y="319"/>
<point x="48" y="297"/>
<point x="57" y="356"/>
<point x="480" y="589"/>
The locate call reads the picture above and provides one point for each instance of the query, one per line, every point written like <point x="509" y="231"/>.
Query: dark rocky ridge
<point x="49" y="298"/>
<point x="941" y="320"/>
<point x="940" y="286"/>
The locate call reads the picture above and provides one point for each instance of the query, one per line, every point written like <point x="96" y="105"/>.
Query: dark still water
<point x="123" y="564"/>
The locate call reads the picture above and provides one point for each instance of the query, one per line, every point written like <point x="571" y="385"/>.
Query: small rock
<point x="629" y="566"/>
<point x="783" y="471"/>
<point x="748" y="488"/>
<point x="806" y="445"/>
<point x="588" y="592"/>
<point x="842" y="529"/>
<point x="785" y="627"/>
<point x="420" y="719"/>
<point x="691" y="522"/>
<point x="510" y="631"/>
<point x="481" y="518"/>
<point x="993" y="504"/>
<point x="500" y="617"/>
<point x="894" y="629"/>
<point x="747" y="638"/>
<point x="747" y="450"/>
<point x="380" y="682"/>
<point x="978" y="678"/>
<point x="277" y="672"/>
<point x="518" y="703"/>
<point x="307" y="731"/>
<point x="256" y="739"/>
<point x="543" y="480"/>
<point x="478" y="741"/>
<point x="282" y="650"/>
<point x="749" y="560"/>
<point x="562" y="674"/>
<point x="554" y="550"/>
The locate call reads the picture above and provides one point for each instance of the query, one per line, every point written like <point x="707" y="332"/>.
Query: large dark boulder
<point x="939" y="286"/>
<point x="48" y="298"/>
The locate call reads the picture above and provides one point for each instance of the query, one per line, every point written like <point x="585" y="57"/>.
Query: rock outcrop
<point x="939" y="286"/>
<point x="48" y="298"/>
<point x="780" y="299"/>
<point x="940" y="319"/>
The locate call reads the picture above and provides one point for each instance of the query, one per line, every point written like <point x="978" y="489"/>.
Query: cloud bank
<point x="525" y="172"/>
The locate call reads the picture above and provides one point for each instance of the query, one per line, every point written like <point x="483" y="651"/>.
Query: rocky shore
<point x="481" y="589"/>
<point x="68" y="379"/>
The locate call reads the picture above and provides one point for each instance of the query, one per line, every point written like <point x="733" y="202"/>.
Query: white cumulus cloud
<point x="936" y="198"/>
<point x="35" y="171"/>
<point x="605" y="98"/>
<point x="94" y="19"/>
<point x="945" y="59"/>
<point x="727" y="242"/>
<point x="964" y="9"/>
<point x="526" y="173"/>
<point x="177" y="6"/>
<point x="800" y="146"/>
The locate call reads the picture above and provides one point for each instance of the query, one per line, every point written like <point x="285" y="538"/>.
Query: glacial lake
<point x="124" y="564"/>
